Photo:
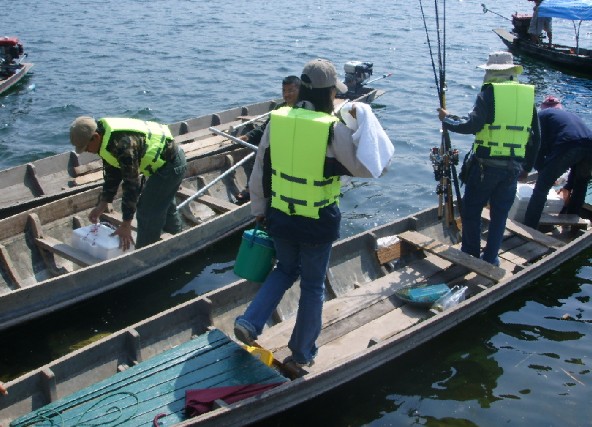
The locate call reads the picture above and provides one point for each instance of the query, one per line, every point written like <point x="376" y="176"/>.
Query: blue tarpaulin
<point x="567" y="9"/>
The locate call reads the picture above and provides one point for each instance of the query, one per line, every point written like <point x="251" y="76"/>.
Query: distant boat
<point x="12" y="67"/>
<point x="574" y="59"/>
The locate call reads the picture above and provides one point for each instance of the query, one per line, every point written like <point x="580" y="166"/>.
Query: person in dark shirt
<point x="504" y="121"/>
<point x="566" y="143"/>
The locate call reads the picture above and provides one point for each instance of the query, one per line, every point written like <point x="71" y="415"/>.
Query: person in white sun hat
<point x="507" y="138"/>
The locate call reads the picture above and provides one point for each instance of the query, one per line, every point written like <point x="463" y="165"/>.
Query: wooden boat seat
<point x="66" y="251"/>
<point x="214" y="203"/>
<point x="453" y="255"/>
<point x="528" y="233"/>
<point x="157" y="385"/>
<point x="563" y="220"/>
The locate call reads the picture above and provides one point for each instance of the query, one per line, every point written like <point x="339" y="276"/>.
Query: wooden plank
<point x="572" y="220"/>
<point x="88" y="178"/>
<point x="453" y="255"/>
<point x="525" y="253"/>
<point x="95" y="166"/>
<point x="527" y="232"/>
<point x="66" y="251"/>
<point x="216" y="204"/>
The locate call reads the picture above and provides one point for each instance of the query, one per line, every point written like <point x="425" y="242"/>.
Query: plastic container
<point x="255" y="257"/>
<point x="97" y="240"/>
<point x="523" y="194"/>
<point x="456" y="295"/>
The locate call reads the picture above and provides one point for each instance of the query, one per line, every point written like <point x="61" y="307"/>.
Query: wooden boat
<point x="54" y="177"/>
<point x="562" y="57"/>
<point x="573" y="59"/>
<point x="145" y="370"/>
<point x="41" y="269"/>
<point x="12" y="67"/>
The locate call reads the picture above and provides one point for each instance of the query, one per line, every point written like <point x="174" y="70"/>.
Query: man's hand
<point x="442" y="113"/>
<point x="523" y="176"/>
<point x="124" y="231"/>
<point x="96" y="213"/>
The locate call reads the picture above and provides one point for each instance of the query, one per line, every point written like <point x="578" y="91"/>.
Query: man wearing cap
<point x="507" y="138"/>
<point x="566" y="143"/>
<point x="295" y="186"/>
<point x="130" y="147"/>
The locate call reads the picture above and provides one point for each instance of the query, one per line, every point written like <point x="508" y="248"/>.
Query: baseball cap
<point x="320" y="73"/>
<point x="81" y="130"/>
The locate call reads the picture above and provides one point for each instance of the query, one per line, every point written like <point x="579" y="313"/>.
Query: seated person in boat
<point x="295" y="187"/>
<point x="538" y="25"/>
<point x="507" y="138"/>
<point x="290" y="88"/>
<point x="566" y="143"/>
<point x="131" y="148"/>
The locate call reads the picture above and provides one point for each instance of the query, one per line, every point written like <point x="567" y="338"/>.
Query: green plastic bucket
<point x="255" y="257"/>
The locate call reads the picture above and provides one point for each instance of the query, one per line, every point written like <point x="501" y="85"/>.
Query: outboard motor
<point x="356" y="73"/>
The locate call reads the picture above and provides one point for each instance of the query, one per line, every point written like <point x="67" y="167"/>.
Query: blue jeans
<point x="156" y="209"/>
<point x="310" y="262"/>
<point x="496" y="185"/>
<point x="579" y="159"/>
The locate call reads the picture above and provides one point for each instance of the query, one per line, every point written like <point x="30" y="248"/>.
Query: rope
<point x="53" y="417"/>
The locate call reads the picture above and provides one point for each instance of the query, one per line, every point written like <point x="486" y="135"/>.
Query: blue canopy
<point x="575" y="10"/>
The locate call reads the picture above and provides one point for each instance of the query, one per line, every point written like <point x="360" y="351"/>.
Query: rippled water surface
<point x="519" y="363"/>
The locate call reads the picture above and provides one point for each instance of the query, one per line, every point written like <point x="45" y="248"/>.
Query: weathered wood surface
<point x="364" y="324"/>
<point x="42" y="272"/>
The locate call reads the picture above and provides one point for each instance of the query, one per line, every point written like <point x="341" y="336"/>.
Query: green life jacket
<point x="157" y="136"/>
<point x="298" y="146"/>
<point x="508" y="135"/>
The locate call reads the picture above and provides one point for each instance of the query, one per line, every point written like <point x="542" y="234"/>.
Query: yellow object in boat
<point x="260" y="353"/>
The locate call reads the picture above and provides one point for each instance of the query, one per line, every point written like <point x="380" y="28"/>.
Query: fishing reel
<point x="356" y="73"/>
<point x="437" y="163"/>
<point x="441" y="163"/>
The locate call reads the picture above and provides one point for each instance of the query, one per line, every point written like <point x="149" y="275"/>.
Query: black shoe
<point x="243" y="335"/>
<point x="295" y="369"/>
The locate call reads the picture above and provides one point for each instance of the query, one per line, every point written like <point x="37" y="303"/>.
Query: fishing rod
<point x="485" y="10"/>
<point x="444" y="158"/>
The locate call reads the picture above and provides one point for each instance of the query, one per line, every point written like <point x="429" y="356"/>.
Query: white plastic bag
<point x="452" y="298"/>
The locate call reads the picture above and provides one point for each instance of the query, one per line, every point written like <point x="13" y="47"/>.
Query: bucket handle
<point x="252" y="240"/>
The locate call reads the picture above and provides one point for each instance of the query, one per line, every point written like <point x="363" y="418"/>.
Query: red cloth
<point x="200" y="401"/>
